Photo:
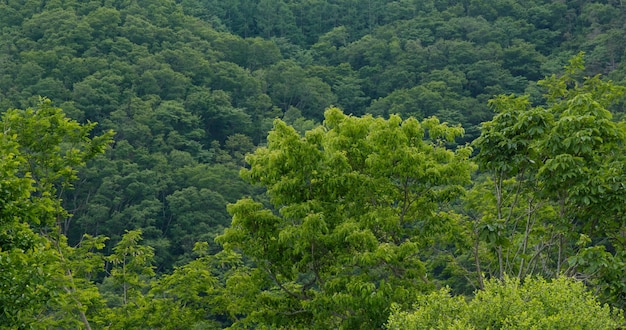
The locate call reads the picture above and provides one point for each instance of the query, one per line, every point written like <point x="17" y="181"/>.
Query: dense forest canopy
<point x="363" y="122"/>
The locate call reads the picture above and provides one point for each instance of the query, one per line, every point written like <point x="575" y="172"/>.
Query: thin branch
<point x="282" y="287"/>
<point x="71" y="291"/>
<point x="479" y="272"/>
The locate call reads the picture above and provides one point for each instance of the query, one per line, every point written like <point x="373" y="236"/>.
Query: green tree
<point x="41" y="152"/>
<point x="553" y="192"/>
<point x="131" y="269"/>
<point x="274" y="19"/>
<point x="354" y="202"/>
<point x="290" y="85"/>
<point x="188" y="297"/>
<point x="534" y="304"/>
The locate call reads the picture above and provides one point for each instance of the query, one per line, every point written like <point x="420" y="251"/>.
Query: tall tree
<point x="41" y="150"/>
<point x="353" y="204"/>
<point x="556" y="179"/>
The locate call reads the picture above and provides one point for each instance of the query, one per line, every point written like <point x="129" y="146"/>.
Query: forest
<point x="312" y="164"/>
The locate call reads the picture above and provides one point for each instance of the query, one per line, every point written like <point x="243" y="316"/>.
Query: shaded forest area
<point x="182" y="90"/>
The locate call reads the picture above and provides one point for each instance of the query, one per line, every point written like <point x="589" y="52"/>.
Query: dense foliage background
<point x="192" y="86"/>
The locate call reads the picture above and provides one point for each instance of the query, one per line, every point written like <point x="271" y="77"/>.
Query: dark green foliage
<point x="192" y="86"/>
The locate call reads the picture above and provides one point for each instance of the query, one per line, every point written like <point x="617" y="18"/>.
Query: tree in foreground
<point x="554" y="201"/>
<point x="40" y="151"/>
<point x="44" y="283"/>
<point x="353" y="205"/>
<point x="562" y="303"/>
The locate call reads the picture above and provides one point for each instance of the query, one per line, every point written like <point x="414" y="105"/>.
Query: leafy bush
<point x="562" y="303"/>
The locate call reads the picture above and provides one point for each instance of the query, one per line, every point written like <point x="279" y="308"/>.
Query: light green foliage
<point x="176" y="77"/>
<point x="437" y="310"/>
<point x="189" y="297"/>
<point x="79" y="301"/>
<point x="562" y="303"/>
<point x="555" y="175"/>
<point x="605" y="269"/>
<point x="130" y="262"/>
<point x="354" y="203"/>
<point x="129" y="278"/>
<point x="191" y="86"/>
<point x="28" y="277"/>
<point x="40" y="150"/>
<point x="51" y="148"/>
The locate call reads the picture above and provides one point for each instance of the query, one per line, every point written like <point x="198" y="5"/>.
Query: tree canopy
<point x="41" y="150"/>
<point x="353" y="202"/>
<point x="390" y="149"/>
<point x="533" y="304"/>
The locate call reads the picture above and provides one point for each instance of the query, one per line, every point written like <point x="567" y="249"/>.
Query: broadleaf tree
<point x="353" y="205"/>
<point x="554" y="199"/>
<point x="40" y="151"/>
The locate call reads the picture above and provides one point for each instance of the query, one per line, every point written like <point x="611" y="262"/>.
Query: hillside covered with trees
<point x="398" y="153"/>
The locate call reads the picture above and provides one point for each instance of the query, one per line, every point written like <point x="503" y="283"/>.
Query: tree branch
<point x="282" y="287"/>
